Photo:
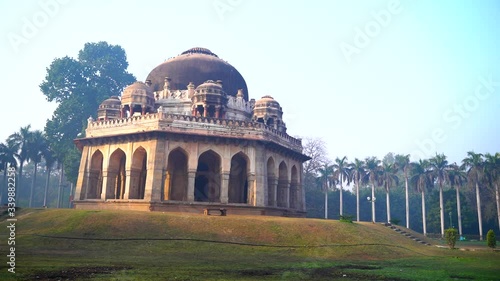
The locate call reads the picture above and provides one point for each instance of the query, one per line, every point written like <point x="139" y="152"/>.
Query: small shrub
<point x="451" y="236"/>
<point x="395" y="221"/>
<point x="491" y="239"/>
<point x="346" y="218"/>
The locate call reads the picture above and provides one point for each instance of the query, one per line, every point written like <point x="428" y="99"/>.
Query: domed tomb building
<point x="188" y="139"/>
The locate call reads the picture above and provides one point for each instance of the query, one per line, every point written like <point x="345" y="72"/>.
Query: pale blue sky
<point x="369" y="77"/>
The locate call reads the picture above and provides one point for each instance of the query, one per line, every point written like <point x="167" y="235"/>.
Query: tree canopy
<point x="79" y="86"/>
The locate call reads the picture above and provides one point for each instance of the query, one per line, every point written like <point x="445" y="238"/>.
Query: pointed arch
<point x="271" y="182"/>
<point x="116" y="175"/>
<point x="208" y="177"/>
<point x="294" y="188"/>
<point x="238" y="179"/>
<point x="176" y="177"/>
<point x="138" y="172"/>
<point x="283" y="184"/>
<point x="95" y="175"/>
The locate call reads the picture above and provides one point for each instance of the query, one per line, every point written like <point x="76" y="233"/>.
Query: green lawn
<point x="113" y="245"/>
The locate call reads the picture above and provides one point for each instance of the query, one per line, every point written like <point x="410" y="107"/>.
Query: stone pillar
<point x="205" y="110"/>
<point x="143" y="110"/>
<point x="190" y="188"/>
<point x="82" y="175"/>
<point x="273" y="185"/>
<point x="217" y="111"/>
<point x="128" y="184"/>
<point x="105" y="180"/>
<point x="224" y="189"/>
<point x="251" y="190"/>
<point x="287" y="194"/>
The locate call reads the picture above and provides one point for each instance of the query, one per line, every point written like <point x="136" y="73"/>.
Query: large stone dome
<point x="197" y="65"/>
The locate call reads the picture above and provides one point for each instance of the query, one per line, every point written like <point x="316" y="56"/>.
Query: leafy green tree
<point x="421" y="178"/>
<point x="403" y="164"/>
<point x="341" y="173"/>
<point x="439" y="167"/>
<point x="457" y="178"/>
<point x="372" y="167"/>
<point x="79" y="86"/>
<point x="474" y="164"/>
<point x="356" y="174"/>
<point x="388" y="179"/>
<point x="451" y="237"/>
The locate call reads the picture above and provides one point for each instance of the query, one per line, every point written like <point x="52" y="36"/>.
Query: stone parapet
<point x="194" y="125"/>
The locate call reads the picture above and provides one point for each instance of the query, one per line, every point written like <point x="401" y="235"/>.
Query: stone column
<point x="251" y="190"/>
<point x="190" y="188"/>
<point x="104" y="184"/>
<point x="205" y="109"/>
<point x="273" y="185"/>
<point x="128" y="184"/>
<point x="287" y="194"/>
<point x="224" y="189"/>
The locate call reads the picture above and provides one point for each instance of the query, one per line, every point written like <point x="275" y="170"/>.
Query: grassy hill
<point x="61" y="244"/>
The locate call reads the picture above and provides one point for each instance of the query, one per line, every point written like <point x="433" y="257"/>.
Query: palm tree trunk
<point x="341" y="207"/>
<point x="19" y="181"/>
<point x="373" y="202"/>
<point x="441" y="208"/>
<point x="46" y="187"/>
<point x="357" y="201"/>
<point x="424" y="222"/>
<point x="497" y="197"/>
<point x="407" y="203"/>
<point x="61" y="175"/>
<point x="479" y="217"/>
<point x="459" y="211"/>
<point x="388" y="204"/>
<point x="326" y="203"/>
<point x="5" y="190"/>
<point x="33" y="185"/>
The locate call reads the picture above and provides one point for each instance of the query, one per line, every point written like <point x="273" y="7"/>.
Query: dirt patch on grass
<point x="75" y="273"/>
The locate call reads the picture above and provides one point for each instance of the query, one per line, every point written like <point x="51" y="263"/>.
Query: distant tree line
<point x="450" y="194"/>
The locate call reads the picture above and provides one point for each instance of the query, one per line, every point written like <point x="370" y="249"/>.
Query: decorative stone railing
<point x="173" y="122"/>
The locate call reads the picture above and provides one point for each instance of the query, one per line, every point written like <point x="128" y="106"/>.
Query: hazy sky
<point x="368" y="77"/>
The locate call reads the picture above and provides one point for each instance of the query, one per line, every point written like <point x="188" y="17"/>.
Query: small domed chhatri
<point x="190" y="140"/>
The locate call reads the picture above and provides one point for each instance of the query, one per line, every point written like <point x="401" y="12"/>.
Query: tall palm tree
<point x="388" y="178"/>
<point x="326" y="172"/>
<point x="492" y="174"/>
<point x="341" y="173"/>
<point x="403" y="164"/>
<point x="372" y="167"/>
<point x="474" y="165"/>
<point x="37" y="144"/>
<point x="20" y="140"/>
<point x="421" y="179"/>
<point x="439" y="167"/>
<point x="356" y="174"/>
<point x="457" y="178"/>
<point x="50" y="159"/>
<point x="8" y="155"/>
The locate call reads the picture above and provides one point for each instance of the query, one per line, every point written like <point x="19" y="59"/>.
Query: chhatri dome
<point x="197" y="65"/>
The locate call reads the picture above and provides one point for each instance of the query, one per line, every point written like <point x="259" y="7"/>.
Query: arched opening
<point x="176" y="177"/>
<point x="208" y="178"/>
<point x="294" y="188"/>
<point x="95" y="176"/>
<point x="138" y="174"/>
<point x="238" y="179"/>
<point x="271" y="183"/>
<point x="116" y="175"/>
<point x="282" y="185"/>
<point x="270" y="122"/>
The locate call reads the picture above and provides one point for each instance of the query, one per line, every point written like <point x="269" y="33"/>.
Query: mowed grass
<point x="62" y="244"/>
